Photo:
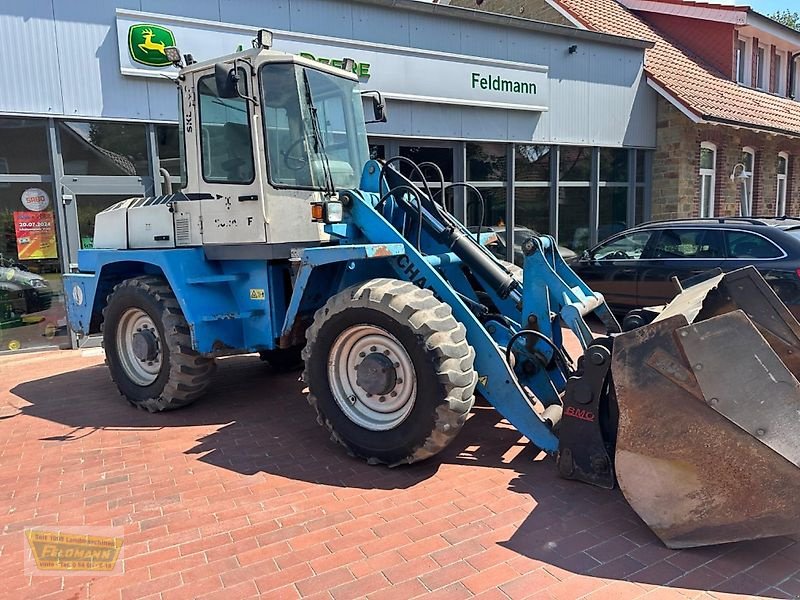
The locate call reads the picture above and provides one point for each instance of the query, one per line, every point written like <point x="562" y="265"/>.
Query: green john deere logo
<point x="147" y="43"/>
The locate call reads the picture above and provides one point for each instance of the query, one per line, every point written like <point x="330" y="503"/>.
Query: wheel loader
<point x="288" y="241"/>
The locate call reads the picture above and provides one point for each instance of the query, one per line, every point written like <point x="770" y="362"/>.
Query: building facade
<point x="554" y="125"/>
<point x="728" y="125"/>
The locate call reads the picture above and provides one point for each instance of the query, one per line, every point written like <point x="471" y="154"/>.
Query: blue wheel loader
<point x="287" y="241"/>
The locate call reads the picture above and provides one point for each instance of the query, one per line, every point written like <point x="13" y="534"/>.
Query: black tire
<point x="184" y="374"/>
<point x="439" y="354"/>
<point x="283" y="360"/>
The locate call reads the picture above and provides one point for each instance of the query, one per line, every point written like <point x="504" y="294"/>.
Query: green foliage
<point x="787" y="17"/>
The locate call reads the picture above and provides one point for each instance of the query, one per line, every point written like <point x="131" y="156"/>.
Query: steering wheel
<point x="299" y="162"/>
<point x="618" y="255"/>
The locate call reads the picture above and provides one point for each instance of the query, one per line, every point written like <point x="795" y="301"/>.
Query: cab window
<point x="741" y="244"/>
<point x="688" y="243"/>
<point x="627" y="247"/>
<point x="225" y="134"/>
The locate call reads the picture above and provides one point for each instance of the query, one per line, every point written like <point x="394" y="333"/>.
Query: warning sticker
<point x="257" y="294"/>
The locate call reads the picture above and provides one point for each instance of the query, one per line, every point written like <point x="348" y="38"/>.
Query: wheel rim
<point x="372" y="377"/>
<point x="139" y="347"/>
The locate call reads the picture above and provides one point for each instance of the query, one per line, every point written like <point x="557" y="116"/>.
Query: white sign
<point x="398" y="72"/>
<point x="35" y="199"/>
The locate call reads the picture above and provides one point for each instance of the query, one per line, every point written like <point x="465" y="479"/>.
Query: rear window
<point x="742" y="244"/>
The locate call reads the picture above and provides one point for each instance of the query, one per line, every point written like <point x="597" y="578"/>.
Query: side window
<point x="742" y="244"/>
<point x="627" y="247"/>
<point x="688" y="243"/>
<point x="225" y="146"/>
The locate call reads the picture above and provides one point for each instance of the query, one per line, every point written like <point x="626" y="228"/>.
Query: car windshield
<point x="314" y="125"/>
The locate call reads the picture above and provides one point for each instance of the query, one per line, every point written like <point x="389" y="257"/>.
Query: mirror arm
<point x="235" y="76"/>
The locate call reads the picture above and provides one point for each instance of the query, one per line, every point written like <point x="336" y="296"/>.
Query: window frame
<point x="777" y="57"/>
<point x="762" y="68"/>
<point x="243" y="76"/>
<point x="780" y="196"/>
<point x="741" y="66"/>
<point x="712" y="173"/>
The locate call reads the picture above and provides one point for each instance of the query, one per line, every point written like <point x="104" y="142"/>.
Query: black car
<point x="634" y="268"/>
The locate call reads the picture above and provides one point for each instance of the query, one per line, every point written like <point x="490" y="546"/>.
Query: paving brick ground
<point x="243" y="495"/>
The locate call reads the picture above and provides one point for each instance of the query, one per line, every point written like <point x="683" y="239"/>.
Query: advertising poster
<point x="36" y="235"/>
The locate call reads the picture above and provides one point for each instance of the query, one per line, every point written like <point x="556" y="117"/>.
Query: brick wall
<point x="711" y="42"/>
<point x="676" y="178"/>
<point x="538" y="10"/>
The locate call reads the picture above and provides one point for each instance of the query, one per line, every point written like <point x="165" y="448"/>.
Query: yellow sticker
<point x="257" y="294"/>
<point x="60" y="551"/>
<point x="483" y="380"/>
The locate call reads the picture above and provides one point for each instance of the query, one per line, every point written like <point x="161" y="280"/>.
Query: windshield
<point x="293" y="96"/>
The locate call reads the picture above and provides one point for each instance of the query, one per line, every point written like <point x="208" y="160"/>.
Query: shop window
<point x="748" y="175"/>
<point x="532" y="208"/>
<point x="442" y="157"/>
<point x="614" y="165"/>
<point x="783" y="170"/>
<point x="486" y="162"/>
<point x="23" y="147"/>
<point x="170" y="155"/>
<point x="573" y="217"/>
<point x="641" y="165"/>
<point x="103" y="148"/>
<point x="575" y="163"/>
<point x="613" y="211"/>
<point x="639" y="209"/>
<point x="226" y="150"/>
<point x="377" y="152"/>
<point x="532" y="162"/>
<point x="708" y="178"/>
<point x="32" y="311"/>
<point x="494" y="200"/>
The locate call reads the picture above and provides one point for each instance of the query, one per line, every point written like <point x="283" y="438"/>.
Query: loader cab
<point x="266" y="135"/>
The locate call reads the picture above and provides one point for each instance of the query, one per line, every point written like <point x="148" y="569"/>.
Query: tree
<point x="787" y="17"/>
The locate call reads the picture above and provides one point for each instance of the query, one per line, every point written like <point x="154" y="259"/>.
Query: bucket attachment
<point x="708" y="441"/>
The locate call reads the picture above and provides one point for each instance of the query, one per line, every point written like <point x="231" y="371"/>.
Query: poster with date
<point x="36" y="235"/>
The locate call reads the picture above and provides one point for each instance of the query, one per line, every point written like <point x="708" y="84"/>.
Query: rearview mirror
<point x="586" y="256"/>
<point x="378" y="106"/>
<point x="227" y="81"/>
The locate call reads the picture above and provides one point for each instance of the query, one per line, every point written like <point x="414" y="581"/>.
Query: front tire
<point x="148" y="347"/>
<point x="389" y="370"/>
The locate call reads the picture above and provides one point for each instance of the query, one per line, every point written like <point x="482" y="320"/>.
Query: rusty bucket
<point x="708" y="444"/>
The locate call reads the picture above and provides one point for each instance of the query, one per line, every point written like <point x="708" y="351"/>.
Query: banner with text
<point x="398" y="72"/>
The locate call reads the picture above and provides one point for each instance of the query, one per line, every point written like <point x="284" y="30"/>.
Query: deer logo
<point x="149" y="44"/>
<point x="146" y="44"/>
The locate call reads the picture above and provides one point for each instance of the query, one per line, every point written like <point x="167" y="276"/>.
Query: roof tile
<point x="698" y="87"/>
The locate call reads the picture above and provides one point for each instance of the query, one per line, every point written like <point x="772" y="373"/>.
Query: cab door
<point x="677" y="252"/>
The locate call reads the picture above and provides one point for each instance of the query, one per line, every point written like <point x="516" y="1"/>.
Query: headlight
<point x="334" y="211"/>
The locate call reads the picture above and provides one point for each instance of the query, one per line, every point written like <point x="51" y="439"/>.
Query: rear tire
<point x="148" y="347"/>
<point x="390" y="372"/>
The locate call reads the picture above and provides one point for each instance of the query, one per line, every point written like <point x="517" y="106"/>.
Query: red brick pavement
<point x="243" y="495"/>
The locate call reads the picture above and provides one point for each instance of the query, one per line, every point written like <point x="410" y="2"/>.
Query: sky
<point x="768" y="7"/>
